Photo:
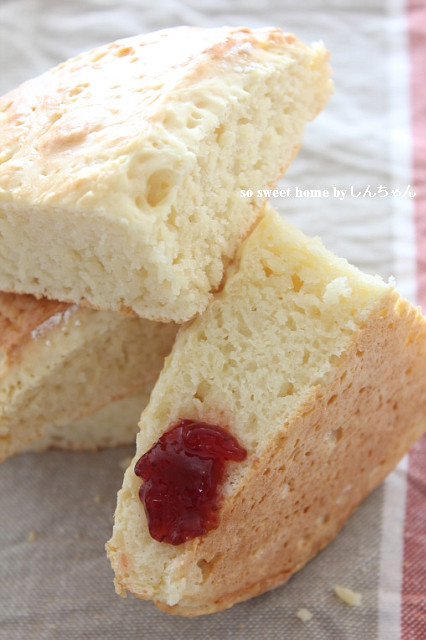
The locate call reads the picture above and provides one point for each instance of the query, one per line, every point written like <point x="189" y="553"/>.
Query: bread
<point x="121" y="169"/>
<point x="113" y="425"/>
<point x="62" y="362"/>
<point x="319" y="372"/>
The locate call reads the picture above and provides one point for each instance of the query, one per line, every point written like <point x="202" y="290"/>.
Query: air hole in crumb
<point x="201" y="104"/>
<point x="286" y="389"/>
<point x="124" y="51"/>
<point x="55" y="117"/>
<point x="206" y="566"/>
<point x="202" y="390"/>
<point x="79" y="88"/>
<point x="409" y="339"/>
<point x="158" y="186"/>
<point x="359" y="353"/>
<point x="267" y="271"/>
<point x="338" y="433"/>
<point x="332" y="399"/>
<point x="333" y="436"/>
<point x="219" y="131"/>
<point x="297" y="282"/>
<point x="193" y="119"/>
<point x="172" y="218"/>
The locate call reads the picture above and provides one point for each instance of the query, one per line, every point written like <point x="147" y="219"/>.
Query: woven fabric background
<point x="56" y="508"/>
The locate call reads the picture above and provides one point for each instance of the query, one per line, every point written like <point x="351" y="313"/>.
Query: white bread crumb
<point x="304" y="615"/>
<point x="32" y="536"/>
<point x="352" y="598"/>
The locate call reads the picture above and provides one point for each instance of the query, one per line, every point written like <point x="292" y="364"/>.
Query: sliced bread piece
<point x="121" y="169"/>
<point x="61" y="362"/>
<point x="319" y="373"/>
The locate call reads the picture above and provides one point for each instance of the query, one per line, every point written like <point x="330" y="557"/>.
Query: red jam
<point x="182" y="473"/>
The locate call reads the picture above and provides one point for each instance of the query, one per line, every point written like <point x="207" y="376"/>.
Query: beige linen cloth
<point x="56" y="508"/>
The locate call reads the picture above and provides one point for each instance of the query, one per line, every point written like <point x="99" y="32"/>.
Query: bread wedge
<point x="121" y="170"/>
<point x="62" y="362"/>
<point x="319" y="373"/>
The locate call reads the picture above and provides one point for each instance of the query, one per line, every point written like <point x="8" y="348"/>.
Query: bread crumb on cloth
<point x="352" y="598"/>
<point x="304" y="614"/>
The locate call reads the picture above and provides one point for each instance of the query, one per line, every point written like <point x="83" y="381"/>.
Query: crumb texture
<point x="124" y="165"/>
<point x="61" y="363"/>
<point x="115" y="424"/>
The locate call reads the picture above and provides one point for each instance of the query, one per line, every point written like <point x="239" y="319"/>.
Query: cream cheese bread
<point x="318" y="371"/>
<point x="61" y="362"/>
<point x="124" y="166"/>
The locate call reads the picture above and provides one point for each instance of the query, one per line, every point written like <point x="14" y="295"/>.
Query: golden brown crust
<point x="341" y="445"/>
<point x="56" y="113"/>
<point x="20" y="315"/>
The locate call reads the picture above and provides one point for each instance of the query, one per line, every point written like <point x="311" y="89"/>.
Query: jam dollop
<point x="182" y="473"/>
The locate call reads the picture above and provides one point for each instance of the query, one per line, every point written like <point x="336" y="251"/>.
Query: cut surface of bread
<point x="62" y="362"/>
<point x="113" y="425"/>
<point x="319" y="372"/>
<point x="124" y="166"/>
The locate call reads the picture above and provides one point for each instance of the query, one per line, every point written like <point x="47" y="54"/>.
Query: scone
<point x="316" y="373"/>
<point x="62" y="362"/>
<point x="121" y="170"/>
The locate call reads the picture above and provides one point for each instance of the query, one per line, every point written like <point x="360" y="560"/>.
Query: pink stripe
<point x="413" y="613"/>
<point x="417" y="36"/>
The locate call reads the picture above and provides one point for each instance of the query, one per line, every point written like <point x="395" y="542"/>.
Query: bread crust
<point x="20" y="316"/>
<point x="57" y="107"/>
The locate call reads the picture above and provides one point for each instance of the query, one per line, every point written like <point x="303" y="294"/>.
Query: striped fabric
<point x="56" y="508"/>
